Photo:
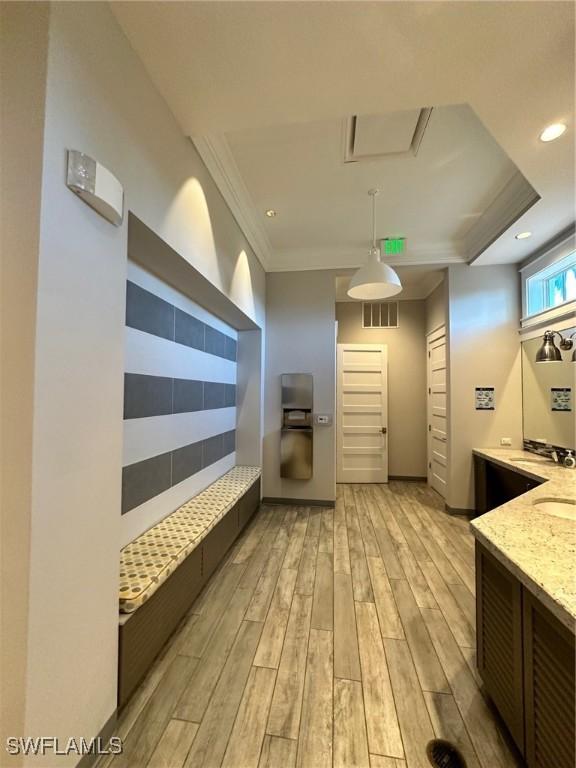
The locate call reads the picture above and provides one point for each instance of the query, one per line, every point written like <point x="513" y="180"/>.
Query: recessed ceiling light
<point x="523" y="235"/>
<point x="552" y="132"/>
<point x="271" y="213"/>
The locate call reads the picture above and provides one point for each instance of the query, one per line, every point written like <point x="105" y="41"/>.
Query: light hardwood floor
<point x="329" y="637"/>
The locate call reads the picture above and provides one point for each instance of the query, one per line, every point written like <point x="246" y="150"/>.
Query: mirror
<point x="548" y="391"/>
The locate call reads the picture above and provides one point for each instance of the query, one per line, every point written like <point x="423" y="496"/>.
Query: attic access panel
<point x="368" y="137"/>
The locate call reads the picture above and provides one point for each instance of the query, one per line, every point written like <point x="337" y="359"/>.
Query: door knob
<point x="384" y="430"/>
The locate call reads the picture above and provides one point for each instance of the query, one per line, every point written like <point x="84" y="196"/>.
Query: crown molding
<point x="513" y="200"/>
<point x="308" y="259"/>
<point x="219" y="160"/>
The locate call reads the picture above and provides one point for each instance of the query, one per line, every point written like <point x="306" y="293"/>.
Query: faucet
<point x="546" y="450"/>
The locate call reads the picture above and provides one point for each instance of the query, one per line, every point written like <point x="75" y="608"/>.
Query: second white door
<point x="437" y="411"/>
<point x="362" y="414"/>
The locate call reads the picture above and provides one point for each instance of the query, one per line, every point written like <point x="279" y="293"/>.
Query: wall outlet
<point x="505" y="441"/>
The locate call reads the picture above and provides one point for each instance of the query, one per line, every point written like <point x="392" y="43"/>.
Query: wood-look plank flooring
<point x="328" y="637"/>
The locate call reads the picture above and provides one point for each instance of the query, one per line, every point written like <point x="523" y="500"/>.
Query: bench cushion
<point x="149" y="560"/>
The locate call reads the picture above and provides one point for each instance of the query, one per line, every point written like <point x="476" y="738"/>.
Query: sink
<point x="532" y="460"/>
<point x="558" y="507"/>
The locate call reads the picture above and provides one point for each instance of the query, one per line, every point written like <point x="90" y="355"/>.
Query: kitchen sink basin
<point x="558" y="507"/>
<point x="532" y="460"/>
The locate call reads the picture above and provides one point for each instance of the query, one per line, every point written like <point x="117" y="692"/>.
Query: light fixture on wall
<point x="96" y="185"/>
<point x="375" y="280"/>
<point x="549" y="352"/>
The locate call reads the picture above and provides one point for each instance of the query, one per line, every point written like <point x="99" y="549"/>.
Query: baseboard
<point x="408" y="478"/>
<point x="469" y="513"/>
<point x="299" y="502"/>
<point x="104" y="737"/>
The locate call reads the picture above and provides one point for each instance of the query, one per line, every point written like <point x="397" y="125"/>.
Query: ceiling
<point x="324" y="212"/>
<point x="265" y="90"/>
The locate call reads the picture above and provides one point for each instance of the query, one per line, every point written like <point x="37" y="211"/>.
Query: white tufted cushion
<point x="147" y="561"/>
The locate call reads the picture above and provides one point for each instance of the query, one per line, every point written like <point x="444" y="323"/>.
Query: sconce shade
<point x="548" y="352"/>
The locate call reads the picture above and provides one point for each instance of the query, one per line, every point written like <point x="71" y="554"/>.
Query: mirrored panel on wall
<point x="548" y="391"/>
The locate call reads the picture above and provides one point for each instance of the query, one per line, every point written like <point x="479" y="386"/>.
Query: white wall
<point x="406" y="380"/>
<point x="249" y="399"/>
<point x="23" y="52"/>
<point x="300" y="338"/>
<point x="484" y="316"/>
<point x="436" y="308"/>
<point x="100" y="101"/>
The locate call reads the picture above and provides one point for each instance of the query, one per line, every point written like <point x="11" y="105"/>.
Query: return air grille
<point x="380" y="314"/>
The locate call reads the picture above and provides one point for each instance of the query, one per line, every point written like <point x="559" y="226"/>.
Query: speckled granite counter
<point x="538" y="548"/>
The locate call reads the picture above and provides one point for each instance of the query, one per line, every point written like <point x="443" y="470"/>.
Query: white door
<point x="362" y="414"/>
<point x="437" y="411"/>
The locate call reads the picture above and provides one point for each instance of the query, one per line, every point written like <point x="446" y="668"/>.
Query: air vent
<point x="396" y="134"/>
<point x="380" y="314"/>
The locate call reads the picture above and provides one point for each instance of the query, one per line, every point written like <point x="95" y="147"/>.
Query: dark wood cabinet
<point x="526" y="660"/>
<point x="548" y="688"/>
<point x="499" y="640"/>
<point x="495" y="485"/>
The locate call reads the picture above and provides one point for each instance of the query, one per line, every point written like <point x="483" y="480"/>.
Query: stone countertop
<point x="538" y="548"/>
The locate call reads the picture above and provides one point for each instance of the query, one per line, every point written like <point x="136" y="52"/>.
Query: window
<point x="552" y="286"/>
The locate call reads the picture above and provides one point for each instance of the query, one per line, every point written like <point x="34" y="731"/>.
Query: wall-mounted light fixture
<point x="549" y="352"/>
<point x="94" y="183"/>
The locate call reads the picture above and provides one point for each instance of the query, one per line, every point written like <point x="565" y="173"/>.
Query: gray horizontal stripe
<point x="149" y="313"/>
<point x="148" y="478"/>
<point x="146" y="395"/>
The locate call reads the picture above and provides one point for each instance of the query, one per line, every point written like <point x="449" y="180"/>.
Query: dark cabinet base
<point x="549" y="682"/>
<point x="144" y="634"/>
<point x="525" y="657"/>
<point x="494" y="485"/>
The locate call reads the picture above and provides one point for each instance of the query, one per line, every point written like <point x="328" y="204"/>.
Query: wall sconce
<point x="94" y="183"/>
<point x="549" y="352"/>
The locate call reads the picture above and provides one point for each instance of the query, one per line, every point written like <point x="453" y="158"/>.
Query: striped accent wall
<point x="179" y="401"/>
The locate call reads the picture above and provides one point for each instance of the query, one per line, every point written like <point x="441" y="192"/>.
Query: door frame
<point x="383" y="348"/>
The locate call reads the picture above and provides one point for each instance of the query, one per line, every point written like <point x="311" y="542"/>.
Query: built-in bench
<point x="164" y="569"/>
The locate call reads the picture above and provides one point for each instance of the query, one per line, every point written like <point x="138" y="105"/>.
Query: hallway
<point x="329" y="637"/>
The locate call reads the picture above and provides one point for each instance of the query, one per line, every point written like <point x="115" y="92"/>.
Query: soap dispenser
<point x="569" y="460"/>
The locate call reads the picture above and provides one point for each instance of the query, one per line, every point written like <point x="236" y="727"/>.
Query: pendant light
<point x="375" y="280"/>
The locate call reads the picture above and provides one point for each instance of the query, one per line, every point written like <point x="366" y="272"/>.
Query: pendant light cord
<point x="373" y="193"/>
<point x="373" y="222"/>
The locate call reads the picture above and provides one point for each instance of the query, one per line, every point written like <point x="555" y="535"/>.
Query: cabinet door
<point x="480" y="489"/>
<point x="499" y="640"/>
<point x="549" y="688"/>
<point x="504" y="484"/>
